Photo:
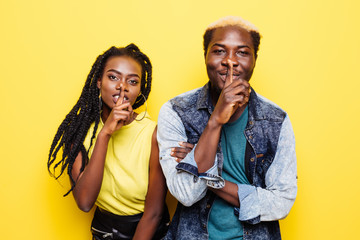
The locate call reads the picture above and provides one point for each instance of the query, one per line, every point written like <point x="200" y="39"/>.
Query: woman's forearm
<point x="89" y="182"/>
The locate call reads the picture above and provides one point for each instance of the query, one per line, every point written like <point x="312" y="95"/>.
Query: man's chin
<point x="216" y="89"/>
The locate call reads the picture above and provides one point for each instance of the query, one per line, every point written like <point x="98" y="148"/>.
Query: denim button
<point x="251" y="137"/>
<point x="208" y="206"/>
<point x="204" y="226"/>
<point x="251" y="122"/>
<point x="195" y="178"/>
<point x="252" y="159"/>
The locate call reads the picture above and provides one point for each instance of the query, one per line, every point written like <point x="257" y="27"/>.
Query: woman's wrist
<point x="103" y="135"/>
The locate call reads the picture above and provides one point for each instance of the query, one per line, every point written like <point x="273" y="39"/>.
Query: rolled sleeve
<point x="182" y="178"/>
<point x="275" y="201"/>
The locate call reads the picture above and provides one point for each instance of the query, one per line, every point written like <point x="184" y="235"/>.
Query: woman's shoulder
<point x="145" y="119"/>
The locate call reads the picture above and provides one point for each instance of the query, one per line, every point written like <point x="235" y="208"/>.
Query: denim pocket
<point x="263" y="163"/>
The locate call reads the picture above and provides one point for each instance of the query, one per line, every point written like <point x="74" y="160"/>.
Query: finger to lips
<point x="121" y="96"/>
<point x="231" y="70"/>
<point x="229" y="74"/>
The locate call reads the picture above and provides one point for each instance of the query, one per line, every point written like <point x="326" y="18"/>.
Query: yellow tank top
<point x="126" y="172"/>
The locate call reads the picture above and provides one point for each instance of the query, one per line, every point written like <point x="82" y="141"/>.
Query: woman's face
<point x="121" y="73"/>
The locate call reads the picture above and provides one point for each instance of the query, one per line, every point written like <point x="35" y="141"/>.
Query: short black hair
<point x="232" y="21"/>
<point x="255" y="36"/>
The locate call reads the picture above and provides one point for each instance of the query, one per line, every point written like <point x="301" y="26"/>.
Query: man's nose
<point x="232" y="57"/>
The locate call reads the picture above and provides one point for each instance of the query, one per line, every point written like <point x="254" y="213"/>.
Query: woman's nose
<point x="121" y="85"/>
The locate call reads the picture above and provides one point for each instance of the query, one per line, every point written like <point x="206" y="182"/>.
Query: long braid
<point x="74" y="128"/>
<point x="146" y="66"/>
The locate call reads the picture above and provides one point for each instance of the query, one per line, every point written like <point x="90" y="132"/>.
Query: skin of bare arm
<point x="230" y="105"/>
<point x="228" y="193"/>
<point x="89" y="182"/>
<point x="155" y="198"/>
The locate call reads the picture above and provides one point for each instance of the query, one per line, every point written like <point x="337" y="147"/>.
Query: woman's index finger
<point x="121" y="97"/>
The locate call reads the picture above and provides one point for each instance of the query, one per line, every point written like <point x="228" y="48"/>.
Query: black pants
<point x="108" y="226"/>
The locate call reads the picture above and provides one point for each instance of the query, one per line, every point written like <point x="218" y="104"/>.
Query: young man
<point x="238" y="174"/>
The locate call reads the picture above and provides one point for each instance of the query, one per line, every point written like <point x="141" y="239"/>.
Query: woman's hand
<point x="121" y="114"/>
<point x="180" y="152"/>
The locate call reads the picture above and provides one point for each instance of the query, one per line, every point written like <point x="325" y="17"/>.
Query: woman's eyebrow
<point x="117" y="72"/>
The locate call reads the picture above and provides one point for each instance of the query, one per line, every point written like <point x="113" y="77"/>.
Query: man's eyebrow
<point x="219" y="45"/>
<point x="223" y="46"/>
<point x="117" y="72"/>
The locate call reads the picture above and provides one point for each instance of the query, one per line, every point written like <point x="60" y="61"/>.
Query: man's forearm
<point x="205" y="151"/>
<point x="229" y="193"/>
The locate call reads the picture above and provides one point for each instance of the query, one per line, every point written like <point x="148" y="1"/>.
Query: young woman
<point x="110" y="152"/>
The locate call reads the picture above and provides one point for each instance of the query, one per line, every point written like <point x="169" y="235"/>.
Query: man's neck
<point x="239" y="111"/>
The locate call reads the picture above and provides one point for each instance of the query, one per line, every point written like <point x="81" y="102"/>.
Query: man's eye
<point x="218" y="51"/>
<point x="243" y="53"/>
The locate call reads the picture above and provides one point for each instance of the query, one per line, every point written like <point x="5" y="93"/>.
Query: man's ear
<point x="99" y="83"/>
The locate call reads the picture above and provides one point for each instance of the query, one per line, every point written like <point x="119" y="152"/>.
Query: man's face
<point x="232" y="43"/>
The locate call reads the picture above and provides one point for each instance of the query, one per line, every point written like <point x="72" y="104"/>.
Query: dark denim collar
<point x="255" y="108"/>
<point x="204" y="99"/>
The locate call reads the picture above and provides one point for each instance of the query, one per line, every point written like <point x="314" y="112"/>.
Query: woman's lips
<point x="116" y="98"/>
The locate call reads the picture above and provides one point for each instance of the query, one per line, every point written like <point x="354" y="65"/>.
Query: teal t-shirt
<point x="223" y="224"/>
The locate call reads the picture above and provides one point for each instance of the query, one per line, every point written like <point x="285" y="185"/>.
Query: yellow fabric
<point x="126" y="172"/>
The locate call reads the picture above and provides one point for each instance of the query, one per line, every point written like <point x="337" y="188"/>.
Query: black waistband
<point x="121" y="218"/>
<point x="107" y="225"/>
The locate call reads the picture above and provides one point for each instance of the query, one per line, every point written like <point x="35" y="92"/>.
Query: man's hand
<point x="234" y="95"/>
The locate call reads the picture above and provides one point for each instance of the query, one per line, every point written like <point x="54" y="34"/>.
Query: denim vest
<point x="262" y="134"/>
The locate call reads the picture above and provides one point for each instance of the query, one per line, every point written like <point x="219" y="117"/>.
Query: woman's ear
<point x="99" y="83"/>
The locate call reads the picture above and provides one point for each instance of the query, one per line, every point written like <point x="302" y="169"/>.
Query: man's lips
<point x="224" y="74"/>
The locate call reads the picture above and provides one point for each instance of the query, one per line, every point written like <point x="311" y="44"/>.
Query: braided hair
<point x="74" y="128"/>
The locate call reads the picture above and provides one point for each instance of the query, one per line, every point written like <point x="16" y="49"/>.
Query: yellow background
<point x="308" y="64"/>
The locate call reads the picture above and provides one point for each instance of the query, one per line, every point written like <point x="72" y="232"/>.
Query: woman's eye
<point x="133" y="82"/>
<point x="112" y="77"/>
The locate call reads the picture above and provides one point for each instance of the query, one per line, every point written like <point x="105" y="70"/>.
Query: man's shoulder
<point x="187" y="99"/>
<point x="268" y="109"/>
<point x="186" y="102"/>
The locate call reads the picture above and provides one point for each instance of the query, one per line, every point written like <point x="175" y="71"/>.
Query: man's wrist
<point x="213" y="124"/>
